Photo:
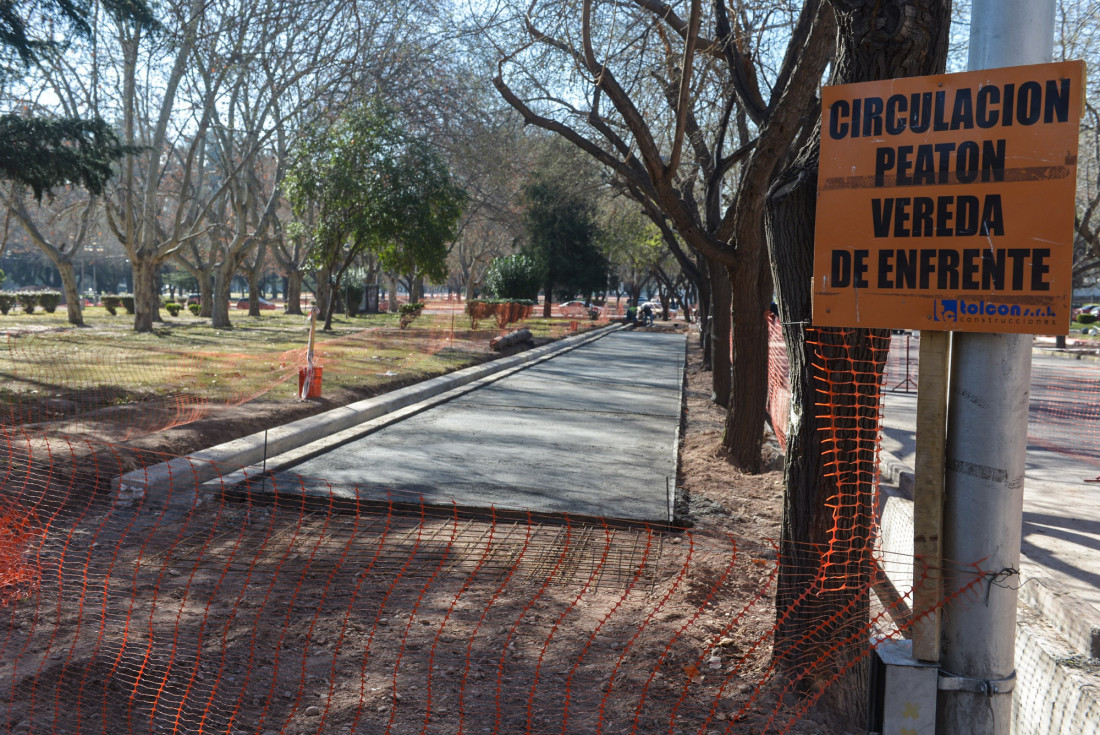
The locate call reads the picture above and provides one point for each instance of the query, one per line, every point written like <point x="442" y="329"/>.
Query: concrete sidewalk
<point x="1058" y="629"/>
<point x="591" y="432"/>
<point x="1060" y="563"/>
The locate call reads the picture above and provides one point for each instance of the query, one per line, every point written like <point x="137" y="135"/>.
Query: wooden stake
<point x="932" y="383"/>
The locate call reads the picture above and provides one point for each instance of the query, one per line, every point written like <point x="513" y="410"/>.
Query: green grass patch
<point x="46" y="362"/>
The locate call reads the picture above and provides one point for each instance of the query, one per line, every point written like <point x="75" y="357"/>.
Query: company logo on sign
<point x="954" y="311"/>
<point x="946" y="202"/>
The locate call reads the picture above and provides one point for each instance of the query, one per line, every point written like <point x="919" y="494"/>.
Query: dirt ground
<point x="237" y="614"/>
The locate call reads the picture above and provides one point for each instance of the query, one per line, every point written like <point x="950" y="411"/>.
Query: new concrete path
<point x="592" y="431"/>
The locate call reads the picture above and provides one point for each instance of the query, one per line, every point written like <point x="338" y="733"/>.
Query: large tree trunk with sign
<point x="826" y="544"/>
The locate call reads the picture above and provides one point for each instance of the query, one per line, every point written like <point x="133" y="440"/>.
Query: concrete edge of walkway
<point x="1066" y="354"/>
<point x="1076" y="621"/>
<point x="674" y="488"/>
<point x="224" y="459"/>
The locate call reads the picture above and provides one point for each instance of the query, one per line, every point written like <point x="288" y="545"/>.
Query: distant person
<point x="647" y="314"/>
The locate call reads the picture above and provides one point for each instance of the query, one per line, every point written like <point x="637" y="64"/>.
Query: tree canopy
<point x="372" y="186"/>
<point x="561" y="233"/>
<point x="45" y="153"/>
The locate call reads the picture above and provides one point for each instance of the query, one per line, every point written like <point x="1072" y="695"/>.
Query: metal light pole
<point x="986" y="443"/>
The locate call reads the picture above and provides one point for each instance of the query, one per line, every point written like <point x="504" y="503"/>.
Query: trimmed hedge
<point x="49" y="301"/>
<point x="28" y="300"/>
<point x="172" y="308"/>
<point x="111" y="302"/>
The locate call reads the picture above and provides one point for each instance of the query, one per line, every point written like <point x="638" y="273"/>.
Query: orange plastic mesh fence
<point x="248" y="610"/>
<point x="847" y="373"/>
<point x="779" y="386"/>
<point x="1064" y="413"/>
<point x="263" y="606"/>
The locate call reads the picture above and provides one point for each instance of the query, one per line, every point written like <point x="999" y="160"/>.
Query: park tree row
<point x="187" y="118"/>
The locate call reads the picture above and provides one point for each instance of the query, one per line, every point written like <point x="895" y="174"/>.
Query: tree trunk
<point x="206" y="297"/>
<point x="391" y="284"/>
<point x="703" y="306"/>
<point x="744" y="434"/>
<point x="828" y="507"/>
<point x="294" y="293"/>
<point x="146" y="298"/>
<point x="548" y="301"/>
<point x="219" y="315"/>
<point x="73" y="303"/>
<point x="720" y="334"/>
<point x="255" y="280"/>
<point x="333" y="297"/>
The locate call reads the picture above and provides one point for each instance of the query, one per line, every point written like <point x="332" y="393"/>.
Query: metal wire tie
<point x="949" y="682"/>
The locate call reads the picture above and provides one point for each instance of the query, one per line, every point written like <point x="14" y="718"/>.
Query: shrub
<point x="127" y="303"/>
<point x="194" y="309"/>
<point x="514" y="277"/>
<point x="28" y="300"/>
<point x="354" y="296"/>
<point x="7" y="300"/>
<point x="111" y="304"/>
<point x="49" y="300"/>
<point x="1086" y="318"/>
<point x="172" y="308"/>
<point x="409" y="312"/>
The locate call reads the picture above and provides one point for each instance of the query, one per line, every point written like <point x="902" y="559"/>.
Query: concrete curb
<point x="1056" y="693"/>
<point x="1074" y="620"/>
<point x="895" y="472"/>
<point x="223" y="459"/>
<point x="1065" y="354"/>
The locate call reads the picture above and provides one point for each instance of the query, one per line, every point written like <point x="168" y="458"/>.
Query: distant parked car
<point x="1087" y="314"/>
<point x="575" y="309"/>
<point x="265" y="305"/>
<point x="193" y="298"/>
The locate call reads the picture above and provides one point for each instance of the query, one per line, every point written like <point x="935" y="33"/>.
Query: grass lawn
<point x="50" y="369"/>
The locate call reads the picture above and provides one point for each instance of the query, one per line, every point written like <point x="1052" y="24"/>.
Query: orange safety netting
<point x="779" y="388"/>
<point x="255" y="606"/>
<point x="1064" y="412"/>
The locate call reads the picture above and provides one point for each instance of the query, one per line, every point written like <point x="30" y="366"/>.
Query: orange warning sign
<point x="946" y="202"/>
